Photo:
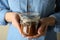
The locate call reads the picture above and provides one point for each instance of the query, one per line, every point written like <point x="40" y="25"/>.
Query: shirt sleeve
<point x="3" y="9"/>
<point x="57" y="17"/>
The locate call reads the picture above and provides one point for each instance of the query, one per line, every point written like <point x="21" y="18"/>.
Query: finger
<point x="46" y="27"/>
<point x="16" y="24"/>
<point x="45" y="30"/>
<point x="35" y="36"/>
<point x="42" y="29"/>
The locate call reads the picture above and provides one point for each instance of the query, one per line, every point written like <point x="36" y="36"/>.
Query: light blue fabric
<point x="45" y="8"/>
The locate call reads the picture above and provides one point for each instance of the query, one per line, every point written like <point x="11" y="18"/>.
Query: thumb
<point x="16" y="23"/>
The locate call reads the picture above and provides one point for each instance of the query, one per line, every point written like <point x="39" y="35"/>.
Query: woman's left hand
<point x="45" y="22"/>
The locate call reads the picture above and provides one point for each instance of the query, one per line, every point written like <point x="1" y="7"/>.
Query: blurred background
<point x="4" y="31"/>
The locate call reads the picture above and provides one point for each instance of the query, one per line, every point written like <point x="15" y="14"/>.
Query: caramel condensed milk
<point x="29" y="24"/>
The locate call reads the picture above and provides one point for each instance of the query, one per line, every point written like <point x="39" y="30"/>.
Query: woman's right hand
<point x="14" y="18"/>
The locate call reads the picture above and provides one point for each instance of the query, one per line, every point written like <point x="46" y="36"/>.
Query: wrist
<point x="52" y="21"/>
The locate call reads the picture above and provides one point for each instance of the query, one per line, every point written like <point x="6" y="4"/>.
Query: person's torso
<point x="43" y="7"/>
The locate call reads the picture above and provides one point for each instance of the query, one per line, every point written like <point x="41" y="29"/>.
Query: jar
<point x="29" y="24"/>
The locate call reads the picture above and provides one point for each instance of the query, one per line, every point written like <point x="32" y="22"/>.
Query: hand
<point x="41" y="31"/>
<point x="48" y="20"/>
<point x="14" y="18"/>
<point x="45" y="22"/>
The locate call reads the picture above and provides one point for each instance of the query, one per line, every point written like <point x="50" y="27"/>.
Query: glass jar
<point x="29" y="24"/>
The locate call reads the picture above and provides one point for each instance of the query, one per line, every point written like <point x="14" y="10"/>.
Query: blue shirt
<point x="57" y="5"/>
<point x="44" y="8"/>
